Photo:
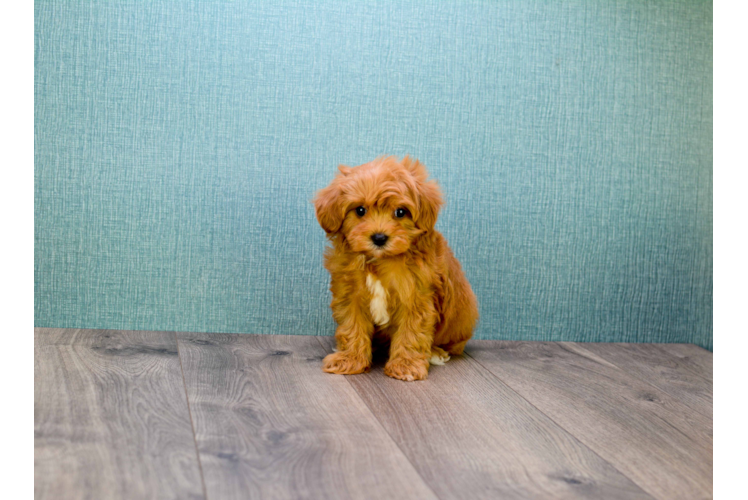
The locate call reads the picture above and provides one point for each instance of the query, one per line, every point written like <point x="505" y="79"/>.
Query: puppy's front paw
<point x="344" y="364"/>
<point x="407" y="369"/>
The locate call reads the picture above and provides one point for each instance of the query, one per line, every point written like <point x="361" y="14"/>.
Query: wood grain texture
<point x="470" y="436"/>
<point x="111" y="417"/>
<point x="715" y="419"/>
<point x="692" y="357"/>
<point x="675" y="375"/>
<point x="270" y="424"/>
<point x="660" y="443"/>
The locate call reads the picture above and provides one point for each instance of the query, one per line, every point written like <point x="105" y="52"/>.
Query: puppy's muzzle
<point x="379" y="239"/>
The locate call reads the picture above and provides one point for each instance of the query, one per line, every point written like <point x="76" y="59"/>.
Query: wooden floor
<point x="125" y="414"/>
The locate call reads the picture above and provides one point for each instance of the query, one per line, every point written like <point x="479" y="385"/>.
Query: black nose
<point x="379" y="239"/>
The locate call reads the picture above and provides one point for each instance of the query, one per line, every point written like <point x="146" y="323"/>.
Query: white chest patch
<point x="378" y="304"/>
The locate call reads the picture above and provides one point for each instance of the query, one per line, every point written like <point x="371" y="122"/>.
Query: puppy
<point x="393" y="277"/>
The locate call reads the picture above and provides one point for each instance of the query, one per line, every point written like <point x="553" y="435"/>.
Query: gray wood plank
<point x="694" y="358"/>
<point x="661" y="444"/>
<point x="270" y="424"/>
<point x="715" y="419"/>
<point x="111" y="417"/>
<point x="657" y="366"/>
<point x="470" y="436"/>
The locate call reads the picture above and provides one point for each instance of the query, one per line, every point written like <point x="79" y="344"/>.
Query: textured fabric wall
<point x="178" y="144"/>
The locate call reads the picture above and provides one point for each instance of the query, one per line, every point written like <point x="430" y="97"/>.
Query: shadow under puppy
<point x="393" y="277"/>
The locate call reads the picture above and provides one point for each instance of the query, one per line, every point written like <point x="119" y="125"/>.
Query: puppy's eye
<point x="400" y="213"/>
<point x="360" y="211"/>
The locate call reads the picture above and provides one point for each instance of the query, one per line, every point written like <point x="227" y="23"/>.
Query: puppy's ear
<point x="328" y="204"/>
<point x="428" y="192"/>
<point x="430" y="201"/>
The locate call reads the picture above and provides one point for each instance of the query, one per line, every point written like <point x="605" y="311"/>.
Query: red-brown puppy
<point x="393" y="276"/>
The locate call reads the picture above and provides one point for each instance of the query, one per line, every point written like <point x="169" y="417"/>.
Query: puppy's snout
<point x="379" y="239"/>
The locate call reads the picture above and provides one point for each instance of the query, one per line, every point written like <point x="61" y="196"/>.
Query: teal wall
<point x="177" y="146"/>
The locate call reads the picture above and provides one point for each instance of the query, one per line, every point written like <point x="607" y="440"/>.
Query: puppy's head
<point x="379" y="208"/>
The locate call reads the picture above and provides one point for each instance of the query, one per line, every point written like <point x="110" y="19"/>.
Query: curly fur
<point x="411" y="292"/>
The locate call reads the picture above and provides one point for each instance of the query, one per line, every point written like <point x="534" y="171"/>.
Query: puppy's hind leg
<point x="456" y="348"/>
<point x="438" y="356"/>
